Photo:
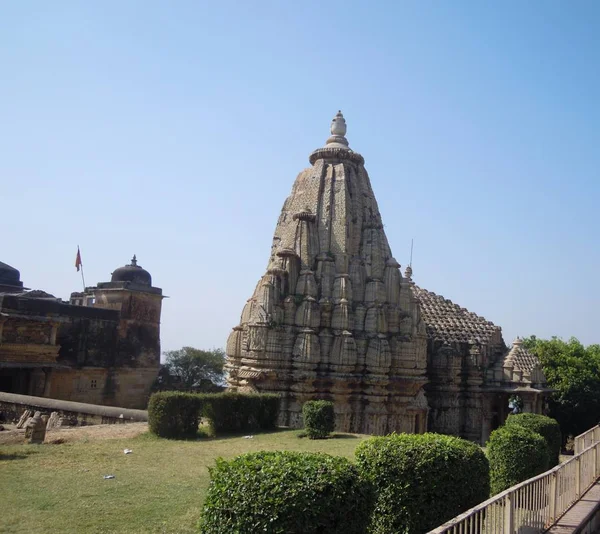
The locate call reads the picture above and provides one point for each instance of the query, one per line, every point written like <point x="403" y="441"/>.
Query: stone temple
<point x="333" y="315"/>
<point x="333" y="318"/>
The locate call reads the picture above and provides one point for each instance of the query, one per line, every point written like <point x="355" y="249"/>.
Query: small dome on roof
<point x="9" y="274"/>
<point x="132" y="273"/>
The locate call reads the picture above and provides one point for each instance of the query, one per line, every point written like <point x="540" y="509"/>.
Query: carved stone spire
<point x="338" y="131"/>
<point x="348" y="327"/>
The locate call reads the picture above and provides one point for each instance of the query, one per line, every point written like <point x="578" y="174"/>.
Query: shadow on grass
<point x="344" y="436"/>
<point x="208" y="434"/>
<point x="302" y="434"/>
<point x="14" y="456"/>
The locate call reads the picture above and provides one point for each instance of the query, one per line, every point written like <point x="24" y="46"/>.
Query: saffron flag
<point x="78" y="260"/>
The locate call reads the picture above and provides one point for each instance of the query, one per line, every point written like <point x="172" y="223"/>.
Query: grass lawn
<point x="160" y="487"/>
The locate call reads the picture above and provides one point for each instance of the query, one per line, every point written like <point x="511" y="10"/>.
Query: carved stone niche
<point x="343" y="353"/>
<point x="342" y="316"/>
<point x="307" y="350"/>
<point x="342" y="288"/>
<point x="307" y="284"/>
<point x="308" y="314"/>
<point x="379" y="358"/>
<point x="257" y="337"/>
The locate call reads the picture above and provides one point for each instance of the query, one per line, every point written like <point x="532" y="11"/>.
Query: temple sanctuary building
<point x="333" y="318"/>
<point x="103" y="347"/>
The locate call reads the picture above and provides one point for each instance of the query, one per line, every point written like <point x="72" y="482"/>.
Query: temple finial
<point x="338" y="132"/>
<point x="134" y="260"/>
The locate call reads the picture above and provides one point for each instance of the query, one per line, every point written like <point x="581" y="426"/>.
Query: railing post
<point x="553" y="491"/>
<point x="509" y="516"/>
<point x="597" y="462"/>
<point x="578" y="476"/>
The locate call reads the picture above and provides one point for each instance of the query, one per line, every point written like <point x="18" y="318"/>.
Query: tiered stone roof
<point x="520" y="358"/>
<point x="450" y="323"/>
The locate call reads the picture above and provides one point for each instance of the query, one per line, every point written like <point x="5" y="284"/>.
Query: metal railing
<point x="533" y="505"/>
<point x="583" y="441"/>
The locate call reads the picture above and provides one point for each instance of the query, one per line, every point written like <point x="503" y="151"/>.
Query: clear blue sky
<point x="174" y="130"/>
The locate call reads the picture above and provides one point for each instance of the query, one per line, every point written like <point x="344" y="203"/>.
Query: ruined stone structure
<point x="35" y="429"/>
<point x="102" y="349"/>
<point x="332" y="317"/>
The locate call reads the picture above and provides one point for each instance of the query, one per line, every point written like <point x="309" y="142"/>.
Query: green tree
<point x="192" y="369"/>
<point x="574" y="372"/>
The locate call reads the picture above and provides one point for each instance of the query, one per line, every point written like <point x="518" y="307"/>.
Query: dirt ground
<point x="12" y="436"/>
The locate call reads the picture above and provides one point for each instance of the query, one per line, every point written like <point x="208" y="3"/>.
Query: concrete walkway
<point x="580" y="517"/>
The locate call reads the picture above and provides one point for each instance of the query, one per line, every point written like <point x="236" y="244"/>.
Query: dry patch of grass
<point x="159" y="488"/>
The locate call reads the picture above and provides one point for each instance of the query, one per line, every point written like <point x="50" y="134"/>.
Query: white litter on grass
<point x="127" y="451"/>
<point x="106" y="477"/>
<point x="248" y="437"/>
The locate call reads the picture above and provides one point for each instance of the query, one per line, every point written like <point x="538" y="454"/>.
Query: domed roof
<point x="132" y="273"/>
<point x="8" y="273"/>
<point x="9" y="276"/>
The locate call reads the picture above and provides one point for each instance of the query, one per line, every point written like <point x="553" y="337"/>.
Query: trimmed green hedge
<point x="546" y="427"/>
<point x="319" y="418"/>
<point x="421" y="481"/>
<point x="286" y="492"/>
<point x="515" y="454"/>
<point x="241" y="412"/>
<point x="173" y="414"/>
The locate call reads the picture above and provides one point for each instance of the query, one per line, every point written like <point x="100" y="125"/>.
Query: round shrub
<point x="546" y="427"/>
<point x="319" y="418"/>
<point x="173" y="414"/>
<point x="421" y="481"/>
<point x="515" y="454"/>
<point x="285" y="492"/>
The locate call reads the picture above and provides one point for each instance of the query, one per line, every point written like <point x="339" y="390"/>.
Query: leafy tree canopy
<point x="192" y="369"/>
<point x="574" y="372"/>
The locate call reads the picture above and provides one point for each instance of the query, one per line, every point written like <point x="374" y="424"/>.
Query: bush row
<point x="527" y="445"/>
<point x="421" y="481"/>
<point x="401" y="483"/>
<point x="286" y="492"/>
<point x="173" y="414"/>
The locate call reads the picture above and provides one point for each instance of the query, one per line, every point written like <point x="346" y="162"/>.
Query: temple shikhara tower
<point x="332" y="317"/>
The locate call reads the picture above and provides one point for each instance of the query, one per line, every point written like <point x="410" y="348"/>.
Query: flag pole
<point x="81" y="265"/>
